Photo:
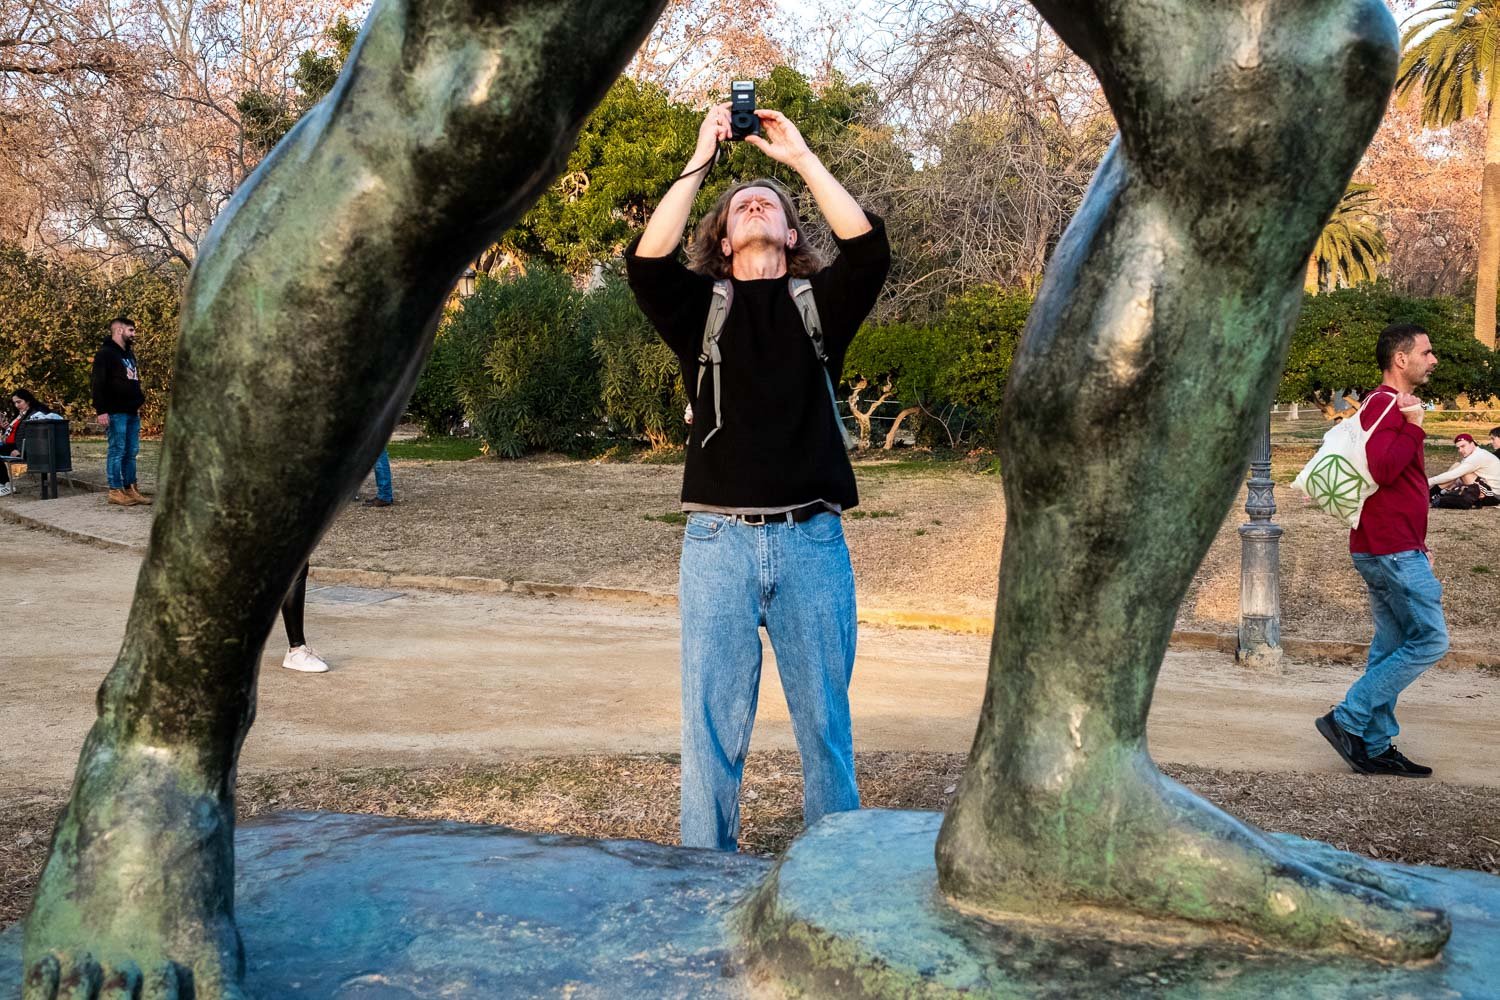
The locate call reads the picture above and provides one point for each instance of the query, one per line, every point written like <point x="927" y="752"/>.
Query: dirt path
<point x="423" y="678"/>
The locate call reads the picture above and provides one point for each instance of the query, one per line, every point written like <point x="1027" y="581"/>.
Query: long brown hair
<point x="706" y="253"/>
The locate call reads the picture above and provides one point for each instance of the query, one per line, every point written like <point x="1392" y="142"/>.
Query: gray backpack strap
<point x="802" y="294"/>
<point x="718" y="311"/>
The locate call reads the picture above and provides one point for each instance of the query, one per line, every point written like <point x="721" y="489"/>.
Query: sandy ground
<point x="424" y="678"/>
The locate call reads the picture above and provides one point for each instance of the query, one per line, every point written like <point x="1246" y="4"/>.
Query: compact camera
<point x="742" y="118"/>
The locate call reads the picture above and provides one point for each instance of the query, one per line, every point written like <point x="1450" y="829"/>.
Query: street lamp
<point x="466" y="283"/>
<point x="1260" y="563"/>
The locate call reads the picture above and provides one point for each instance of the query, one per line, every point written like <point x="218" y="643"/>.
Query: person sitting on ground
<point x="1495" y="440"/>
<point x="300" y="656"/>
<point x="1472" y="481"/>
<point x="27" y="408"/>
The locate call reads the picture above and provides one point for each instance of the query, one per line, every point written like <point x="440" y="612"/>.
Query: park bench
<point x="45" y="451"/>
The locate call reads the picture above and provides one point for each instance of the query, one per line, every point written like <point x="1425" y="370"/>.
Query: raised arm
<point x="664" y="231"/>
<point x="784" y="143"/>
<point x="1458" y="471"/>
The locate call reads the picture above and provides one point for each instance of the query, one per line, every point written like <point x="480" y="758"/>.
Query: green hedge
<point x="1333" y="347"/>
<point x="954" y="367"/>
<point x="536" y="365"/>
<point x="56" y="316"/>
<point x="640" y="389"/>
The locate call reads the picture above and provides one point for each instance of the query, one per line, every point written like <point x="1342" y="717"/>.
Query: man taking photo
<point x="117" y="401"/>
<point x="760" y="327"/>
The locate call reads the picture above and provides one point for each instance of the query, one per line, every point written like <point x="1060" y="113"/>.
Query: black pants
<point x="1461" y="498"/>
<point x="291" y="610"/>
<point x="7" y="449"/>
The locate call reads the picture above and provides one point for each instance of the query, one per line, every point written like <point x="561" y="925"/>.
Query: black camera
<point x="742" y="118"/>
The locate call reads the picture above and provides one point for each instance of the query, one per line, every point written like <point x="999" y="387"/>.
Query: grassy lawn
<point x="439" y="449"/>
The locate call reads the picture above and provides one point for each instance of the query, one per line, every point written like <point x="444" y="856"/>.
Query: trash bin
<point x="47" y="451"/>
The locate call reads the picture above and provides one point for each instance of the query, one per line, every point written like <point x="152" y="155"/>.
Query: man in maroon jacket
<point x="1389" y="549"/>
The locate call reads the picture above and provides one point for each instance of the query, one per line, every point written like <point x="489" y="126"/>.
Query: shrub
<point x="52" y="328"/>
<point x="55" y="317"/>
<point x="435" y="404"/>
<point x="1333" y="346"/>
<point x="986" y="322"/>
<point x="525" y="371"/>
<point x="153" y="300"/>
<point x="909" y="359"/>
<point x="954" y="368"/>
<point x="640" y="392"/>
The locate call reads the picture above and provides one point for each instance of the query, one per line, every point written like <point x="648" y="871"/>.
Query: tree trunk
<point x="863" y="419"/>
<point x="890" y="437"/>
<point x="1489" y="226"/>
<point x="1311" y="283"/>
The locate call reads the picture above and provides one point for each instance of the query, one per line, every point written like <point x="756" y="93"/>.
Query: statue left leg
<point x="308" y="316"/>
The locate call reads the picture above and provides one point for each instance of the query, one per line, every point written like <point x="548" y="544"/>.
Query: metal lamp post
<point x="1260" y="564"/>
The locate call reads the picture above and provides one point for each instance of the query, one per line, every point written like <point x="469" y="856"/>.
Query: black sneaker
<point x="1349" y="746"/>
<point x="1394" y="762"/>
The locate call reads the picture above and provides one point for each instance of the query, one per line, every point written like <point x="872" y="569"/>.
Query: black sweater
<point x="780" y="445"/>
<point x="116" y="380"/>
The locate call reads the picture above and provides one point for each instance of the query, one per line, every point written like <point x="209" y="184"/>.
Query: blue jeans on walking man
<point x="123" y="435"/>
<point x="796" y="581"/>
<point x="1411" y="635"/>
<point x="383" y="486"/>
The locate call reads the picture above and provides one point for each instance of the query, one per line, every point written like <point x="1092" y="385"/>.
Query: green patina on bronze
<point x="853" y="910"/>
<point x="307" y="320"/>
<point x="1154" y="344"/>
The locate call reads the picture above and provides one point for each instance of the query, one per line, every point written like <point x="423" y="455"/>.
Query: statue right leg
<point x="1148" y="357"/>
<point x="305" y="325"/>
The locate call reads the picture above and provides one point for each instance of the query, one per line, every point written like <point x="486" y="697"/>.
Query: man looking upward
<point x="760" y="327"/>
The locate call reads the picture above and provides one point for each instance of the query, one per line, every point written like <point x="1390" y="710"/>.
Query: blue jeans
<point x="1406" y="600"/>
<point x="383" y="487"/>
<point x="796" y="580"/>
<point x="124" y="436"/>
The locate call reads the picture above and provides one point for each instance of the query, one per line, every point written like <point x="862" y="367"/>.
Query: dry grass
<point x="636" y="797"/>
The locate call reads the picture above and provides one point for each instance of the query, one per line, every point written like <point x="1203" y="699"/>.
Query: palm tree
<point x="1350" y="246"/>
<point x="1451" y="53"/>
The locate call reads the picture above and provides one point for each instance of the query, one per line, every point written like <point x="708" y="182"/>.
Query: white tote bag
<point x="1338" y="477"/>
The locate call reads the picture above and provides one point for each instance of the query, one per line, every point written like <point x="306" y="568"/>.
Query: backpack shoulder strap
<point x="718" y="311"/>
<point x="802" y="294"/>
<point x="713" y="326"/>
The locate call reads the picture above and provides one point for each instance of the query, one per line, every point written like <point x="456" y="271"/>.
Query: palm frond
<point x="1351" y="246"/>
<point x="1450" y="53"/>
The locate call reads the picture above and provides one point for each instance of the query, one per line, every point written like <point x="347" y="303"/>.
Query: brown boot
<point x="122" y="498"/>
<point x="137" y="495"/>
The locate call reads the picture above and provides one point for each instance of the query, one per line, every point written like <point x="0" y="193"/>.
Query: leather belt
<point x="797" y="516"/>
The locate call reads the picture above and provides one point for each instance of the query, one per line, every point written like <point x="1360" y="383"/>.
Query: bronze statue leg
<point x="1156" y="340"/>
<point x="308" y="317"/>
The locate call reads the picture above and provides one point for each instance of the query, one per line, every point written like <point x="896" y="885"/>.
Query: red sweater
<point x="1394" y="518"/>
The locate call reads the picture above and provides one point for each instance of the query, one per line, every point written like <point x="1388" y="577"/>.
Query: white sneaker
<point x="305" y="659"/>
<point x="6" y="490"/>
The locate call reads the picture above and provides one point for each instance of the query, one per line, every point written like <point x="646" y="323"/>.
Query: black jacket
<point x="117" y="380"/>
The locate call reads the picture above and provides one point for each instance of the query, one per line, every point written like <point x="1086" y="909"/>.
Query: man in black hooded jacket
<point x="117" y="401"/>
